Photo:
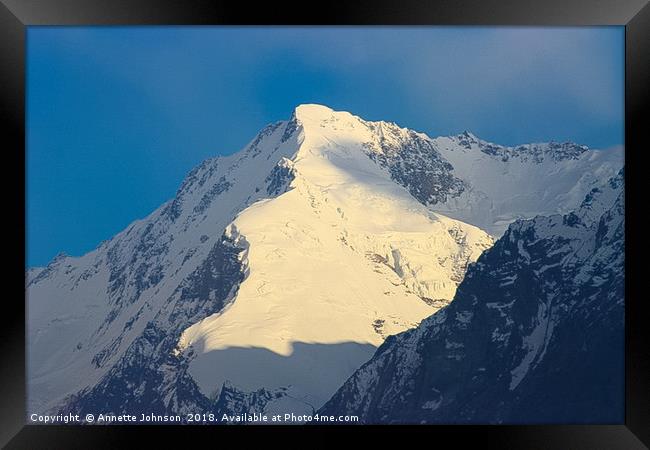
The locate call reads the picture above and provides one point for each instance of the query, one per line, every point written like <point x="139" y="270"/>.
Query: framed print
<point x="370" y="217"/>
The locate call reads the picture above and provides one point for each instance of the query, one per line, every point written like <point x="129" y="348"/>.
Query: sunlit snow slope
<point x="345" y="256"/>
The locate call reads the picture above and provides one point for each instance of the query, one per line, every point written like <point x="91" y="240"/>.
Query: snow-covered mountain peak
<point x="312" y="112"/>
<point x="467" y="139"/>
<point x="341" y="259"/>
<point x="318" y="120"/>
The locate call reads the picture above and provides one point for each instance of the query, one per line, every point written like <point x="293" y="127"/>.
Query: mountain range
<point x="275" y="273"/>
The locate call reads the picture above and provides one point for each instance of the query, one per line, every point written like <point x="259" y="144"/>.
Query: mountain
<point x="273" y="273"/>
<point x="535" y="333"/>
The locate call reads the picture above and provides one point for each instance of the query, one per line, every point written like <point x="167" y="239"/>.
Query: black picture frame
<point x="16" y="15"/>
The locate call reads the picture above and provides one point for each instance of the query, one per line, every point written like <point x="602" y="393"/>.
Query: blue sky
<point x="116" y="116"/>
